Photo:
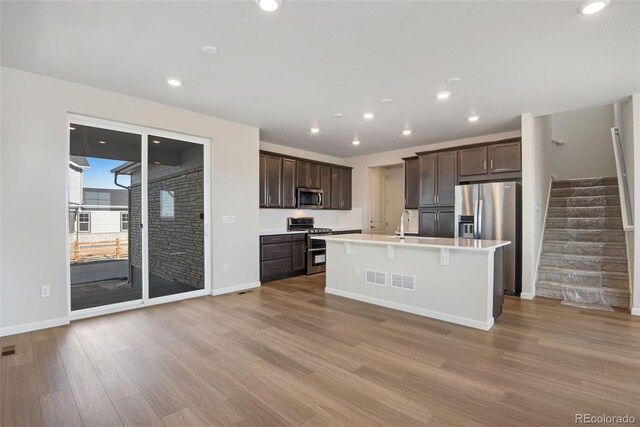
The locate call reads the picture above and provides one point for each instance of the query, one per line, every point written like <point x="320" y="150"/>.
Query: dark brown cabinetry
<point x="505" y="157"/>
<point x="340" y="187"/>
<point x="270" y="181"/>
<point x="308" y="174"/>
<point x="438" y="178"/>
<point x="282" y="255"/>
<point x="472" y="161"/>
<point x="288" y="183"/>
<point x="280" y="177"/>
<point x="325" y="185"/>
<point x="437" y="222"/>
<point x="499" y="160"/>
<point x="411" y="183"/>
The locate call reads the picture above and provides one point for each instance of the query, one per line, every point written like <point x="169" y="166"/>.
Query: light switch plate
<point x="229" y="219"/>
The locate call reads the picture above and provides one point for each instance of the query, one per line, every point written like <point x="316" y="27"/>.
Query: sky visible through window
<point x="99" y="174"/>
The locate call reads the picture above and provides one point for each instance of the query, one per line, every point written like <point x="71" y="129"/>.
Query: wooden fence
<point x="94" y="251"/>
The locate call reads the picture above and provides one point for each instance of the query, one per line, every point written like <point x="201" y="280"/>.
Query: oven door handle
<point x="317" y="249"/>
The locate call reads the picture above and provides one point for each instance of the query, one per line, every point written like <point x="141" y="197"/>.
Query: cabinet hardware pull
<point x="491" y="164"/>
<point x="485" y="165"/>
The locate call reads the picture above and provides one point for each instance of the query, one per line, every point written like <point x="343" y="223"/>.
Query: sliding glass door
<point x="175" y="216"/>
<point x="137" y="218"/>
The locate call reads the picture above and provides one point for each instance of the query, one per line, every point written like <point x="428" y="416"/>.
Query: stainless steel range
<point x="316" y="249"/>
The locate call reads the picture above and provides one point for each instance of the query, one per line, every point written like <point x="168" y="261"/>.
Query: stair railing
<point x="623" y="185"/>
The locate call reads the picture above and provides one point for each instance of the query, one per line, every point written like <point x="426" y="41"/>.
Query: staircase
<point x="584" y="246"/>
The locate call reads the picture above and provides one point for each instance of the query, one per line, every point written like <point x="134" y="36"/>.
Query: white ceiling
<point x="290" y="70"/>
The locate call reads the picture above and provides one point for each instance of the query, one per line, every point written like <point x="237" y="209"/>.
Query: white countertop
<point x="418" y="242"/>
<point x="274" y="232"/>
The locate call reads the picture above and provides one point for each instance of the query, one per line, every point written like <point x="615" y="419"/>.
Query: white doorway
<point x="394" y="192"/>
<point x="138" y="222"/>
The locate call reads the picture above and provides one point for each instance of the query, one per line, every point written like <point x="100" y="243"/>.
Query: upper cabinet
<point x="308" y="174"/>
<point x="288" y="183"/>
<point x="505" y="157"/>
<point x="340" y="188"/>
<point x="411" y="183"/>
<point x="492" y="161"/>
<point x="270" y="181"/>
<point x="438" y="178"/>
<point x="472" y="161"/>
<point x="325" y="185"/>
<point x="280" y="177"/>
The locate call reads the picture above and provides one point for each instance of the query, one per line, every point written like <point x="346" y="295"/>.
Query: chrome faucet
<point x="402" y="222"/>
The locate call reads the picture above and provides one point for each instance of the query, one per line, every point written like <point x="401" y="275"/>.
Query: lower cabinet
<point x="437" y="222"/>
<point x="282" y="255"/>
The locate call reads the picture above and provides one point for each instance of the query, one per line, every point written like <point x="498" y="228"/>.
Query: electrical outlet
<point x="45" y="291"/>
<point x="356" y="272"/>
<point x="225" y="267"/>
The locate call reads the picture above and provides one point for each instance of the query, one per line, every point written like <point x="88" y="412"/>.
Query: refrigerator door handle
<point x="480" y="219"/>
<point x="475" y="220"/>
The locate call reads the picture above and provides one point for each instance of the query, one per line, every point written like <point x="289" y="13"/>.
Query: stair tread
<point x="610" y="291"/>
<point x="616" y="196"/>
<point x="611" y="274"/>
<point x="565" y="242"/>
<point x="585" y="257"/>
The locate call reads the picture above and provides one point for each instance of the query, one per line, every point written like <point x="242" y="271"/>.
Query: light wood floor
<point x="287" y="354"/>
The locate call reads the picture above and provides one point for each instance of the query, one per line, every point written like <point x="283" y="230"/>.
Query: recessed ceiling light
<point x="338" y="115"/>
<point x="386" y="101"/>
<point x="356" y="142"/>
<point x="368" y="116"/>
<point x="209" y="50"/>
<point x="269" y="5"/>
<point x="454" y="81"/>
<point x="72" y="128"/>
<point x="407" y="132"/>
<point x="155" y="141"/>
<point x="592" y="6"/>
<point x="314" y="130"/>
<point x="102" y="142"/>
<point x="174" y="82"/>
<point x="444" y="94"/>
<point x="473" y="118"/>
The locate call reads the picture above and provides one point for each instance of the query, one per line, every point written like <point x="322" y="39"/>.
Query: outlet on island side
<point x="225" y="267"/>
<point x="45" y="291"/>
<point x="356" y="272"/>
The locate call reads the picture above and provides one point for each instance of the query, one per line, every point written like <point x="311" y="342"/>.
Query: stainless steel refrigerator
<point x="493" y="211"/>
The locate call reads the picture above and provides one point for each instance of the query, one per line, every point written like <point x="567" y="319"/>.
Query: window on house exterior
<point x="124" y="221"/>
<point x="84" y="222"/>
<point x="97" y="198"/>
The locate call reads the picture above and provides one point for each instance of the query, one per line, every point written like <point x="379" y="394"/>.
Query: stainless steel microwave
<point x="310" y="198"/>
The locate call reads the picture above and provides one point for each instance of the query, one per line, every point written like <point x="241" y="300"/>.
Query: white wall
<point x="34" y="133"/>
<point x="635" y="295"/>
<point x="105" y="221"/>
<point x="360" y="164"/>
<point x="536" y="178"/>
<point x="295" y="152"/>
<point x="587" y="151"/>
<point x="75" y="186"/>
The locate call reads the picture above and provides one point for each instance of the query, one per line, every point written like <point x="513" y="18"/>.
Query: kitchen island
<point x="455" y="280"/>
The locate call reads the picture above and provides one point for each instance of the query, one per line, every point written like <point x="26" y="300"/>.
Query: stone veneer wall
<point x="182" y="236"/>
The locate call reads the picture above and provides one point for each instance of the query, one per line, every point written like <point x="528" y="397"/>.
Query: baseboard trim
<point x="635" y="311"/>
<point x="236" y="288"/>
<point x="485" y="326"/>
<point x="33" y="326"/>
<point x="527" y="295"/>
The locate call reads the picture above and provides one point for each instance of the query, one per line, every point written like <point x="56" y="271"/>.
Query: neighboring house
<point x="95" y="214"/>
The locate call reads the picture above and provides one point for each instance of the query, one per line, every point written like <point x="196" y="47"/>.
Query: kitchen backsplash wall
<point x="276" y="219"/>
